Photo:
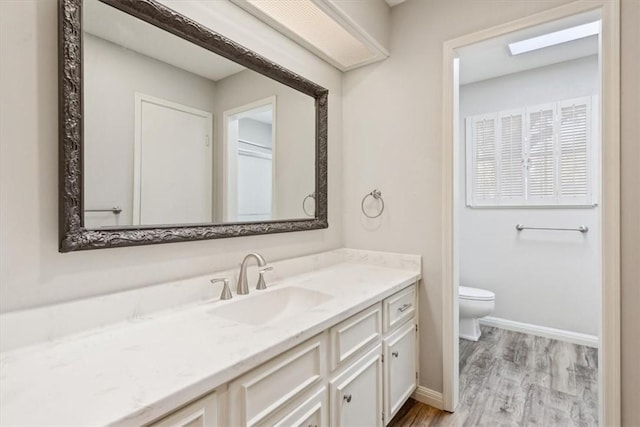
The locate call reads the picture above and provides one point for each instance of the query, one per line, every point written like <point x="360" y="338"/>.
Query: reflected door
<point x="254" y="185"/>
<point x="250" y="163"/>
<point x="173" y="182"/>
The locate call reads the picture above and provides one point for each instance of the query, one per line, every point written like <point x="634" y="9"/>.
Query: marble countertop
<point x="132" y="373"/>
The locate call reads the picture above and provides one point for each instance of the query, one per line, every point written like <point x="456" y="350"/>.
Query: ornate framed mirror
<point x="171" y="132"/>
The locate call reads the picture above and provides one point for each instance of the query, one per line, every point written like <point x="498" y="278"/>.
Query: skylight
<point x="555" y="38"/>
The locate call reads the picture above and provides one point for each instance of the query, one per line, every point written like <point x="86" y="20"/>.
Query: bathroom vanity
<point x="331" y="341"/>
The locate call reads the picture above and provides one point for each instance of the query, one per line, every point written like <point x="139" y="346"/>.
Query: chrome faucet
<point x="243" y="286"/>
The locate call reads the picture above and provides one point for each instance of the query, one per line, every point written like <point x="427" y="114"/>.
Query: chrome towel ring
<point x="377" y="195"/>
<point x="304" y="208"/>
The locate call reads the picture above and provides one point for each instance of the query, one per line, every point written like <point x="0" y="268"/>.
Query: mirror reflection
<point x="175" y="134"/>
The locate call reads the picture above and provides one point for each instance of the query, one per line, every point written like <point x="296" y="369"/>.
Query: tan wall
<point x="630" y="150"/>
<point x="32" y="271"/>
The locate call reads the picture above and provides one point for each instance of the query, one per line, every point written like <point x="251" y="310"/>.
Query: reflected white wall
<point x="295" y="135"/>
<point x="113" y="75"/>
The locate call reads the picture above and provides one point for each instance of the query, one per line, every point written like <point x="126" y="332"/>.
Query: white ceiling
<point x="120" y="28"/>
<point x="491" y="58"/>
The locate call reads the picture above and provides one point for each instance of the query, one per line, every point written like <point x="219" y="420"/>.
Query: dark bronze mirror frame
<point x="72" y="234"/>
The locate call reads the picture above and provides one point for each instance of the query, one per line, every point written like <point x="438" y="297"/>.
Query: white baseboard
<point x="428" y="397"/>
<point x="542" y="331"/>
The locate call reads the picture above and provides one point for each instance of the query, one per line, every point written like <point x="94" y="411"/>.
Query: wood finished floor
<point x="513" y="379"/>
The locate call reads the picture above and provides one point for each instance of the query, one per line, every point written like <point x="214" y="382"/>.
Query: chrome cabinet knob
<point x="347" y="398"/>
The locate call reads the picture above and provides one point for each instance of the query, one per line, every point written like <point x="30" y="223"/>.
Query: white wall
<point x="570" y="79"/>
<point x="32" y="272"/>
<point x="393" y="139"/>
<point x="113" y="75"/>
<point x="539" y="277"/>
<point x="295" y="135"/>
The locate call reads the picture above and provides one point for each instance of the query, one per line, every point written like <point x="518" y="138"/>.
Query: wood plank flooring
<point x="513" y="379"/>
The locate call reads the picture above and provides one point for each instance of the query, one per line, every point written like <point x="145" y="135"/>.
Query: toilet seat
<point x="475" y="294"/>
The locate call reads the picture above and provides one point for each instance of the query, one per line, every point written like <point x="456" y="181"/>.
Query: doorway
<point x="250" y="148"/>
<point x="172" y="174"/>
<point x="606" y="180"/>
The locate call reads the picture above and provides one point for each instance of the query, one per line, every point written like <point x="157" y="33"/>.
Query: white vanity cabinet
<point x="358" y="372"/>
<point x="317" y="348"/>
<point x="375" y="383"/>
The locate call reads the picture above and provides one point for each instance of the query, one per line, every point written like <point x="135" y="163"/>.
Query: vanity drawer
<point x="355" y="334"/>
<point x="399" y="307"/>
<point x="310" y="412"/>
<point x="259" y="393"/>
<point x="199" y="413"/>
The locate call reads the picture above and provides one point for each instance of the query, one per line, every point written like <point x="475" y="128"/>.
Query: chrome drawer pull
<point x="347" y="398"/>
<point x="404" y="308"/>
<point x="395" y="353"/>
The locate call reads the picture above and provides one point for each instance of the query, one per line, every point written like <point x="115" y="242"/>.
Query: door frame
<point x="609" y="348"/>
<point x="137" y="144"/>
<point x="226" y="152"/>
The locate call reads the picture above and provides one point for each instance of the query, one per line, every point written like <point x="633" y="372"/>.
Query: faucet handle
<point x="226" y="292"/>
<point x="261" y="283"/>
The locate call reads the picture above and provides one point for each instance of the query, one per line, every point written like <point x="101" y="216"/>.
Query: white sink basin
<point x="267" y="307"/>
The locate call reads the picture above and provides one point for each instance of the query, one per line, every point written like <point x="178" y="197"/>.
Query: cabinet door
<point x="400" y="368"/>
<point x="200" y="413"/>
<point x="357" y="393"/>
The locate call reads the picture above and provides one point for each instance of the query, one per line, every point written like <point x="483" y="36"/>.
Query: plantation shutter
<point x="534" y="156"/>
<point x="541" y="160"/>
<point x="574" y="137"/>
<point x="482" y="142"/>
<point x="510" y="163"/>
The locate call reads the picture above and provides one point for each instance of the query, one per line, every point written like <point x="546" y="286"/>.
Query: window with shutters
<point x="539" y="155"/>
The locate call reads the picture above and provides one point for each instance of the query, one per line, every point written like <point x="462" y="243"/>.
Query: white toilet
<point x="473" y="304"/>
